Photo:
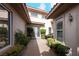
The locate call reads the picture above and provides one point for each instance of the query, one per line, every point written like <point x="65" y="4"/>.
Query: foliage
<point x="20" y="38"/>
<point x="59" y="47"/>
<point x="15" y="50"/>
<point x="21" y="41"/>
<point x="50" y="42"/>
<point x="49" y="36"/>
<point x="3" y="33"/>
<point x="43" y="31"/>
<point x="43" y="36"/>
<point x="3" y="30"/>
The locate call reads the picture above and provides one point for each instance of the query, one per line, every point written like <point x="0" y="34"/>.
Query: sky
<point x="44" y="6"/>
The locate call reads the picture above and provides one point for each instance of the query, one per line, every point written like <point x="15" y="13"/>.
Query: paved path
<point x="37" y="48"/>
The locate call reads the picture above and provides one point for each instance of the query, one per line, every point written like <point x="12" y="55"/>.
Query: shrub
<point x="49" y="36"/>
<point x="21" y="41"/>
<point x="50" y="42"/>
<point x="43" y="36"/>
<point x="21" y="38"/>
<point x="15" y="50"/>
<point x="43" y="31"/>
<point x="59" y="47"/>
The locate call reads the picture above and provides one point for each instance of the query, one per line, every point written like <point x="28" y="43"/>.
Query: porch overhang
<point x="59" y="9"/>
<point x="36" y="23"/>
<point x="20" y="8"/>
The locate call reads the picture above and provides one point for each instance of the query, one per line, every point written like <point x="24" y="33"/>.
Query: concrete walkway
<point x="37" y="48"/>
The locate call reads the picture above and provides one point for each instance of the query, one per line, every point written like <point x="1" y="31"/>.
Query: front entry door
<point x="37" y="32"/>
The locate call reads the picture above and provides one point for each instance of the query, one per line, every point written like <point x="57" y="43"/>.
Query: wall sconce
<point x="70" y="18"/>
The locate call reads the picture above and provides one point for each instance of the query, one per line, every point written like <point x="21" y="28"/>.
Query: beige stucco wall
<point x="17" y="23"/>
<point x="39" y="19"/>
<point x="77" y="30"/>
<point x="71" y="30"/>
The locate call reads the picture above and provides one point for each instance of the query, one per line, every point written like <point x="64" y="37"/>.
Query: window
<point x="60" y="30"/>
<point x="38" y="32"/>
<point x="34" y="14"/>
<point x="43" y="16"/>
<point x="4" y="27"/>
<point x="49" y="30"/>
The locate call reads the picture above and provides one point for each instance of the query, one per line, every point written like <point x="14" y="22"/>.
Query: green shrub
<point x="43" y="31"/>
<point x="49" y="36"/>
<point x="50" y="42"/>
<point x="15" y="50"/>
<point x="59" y="42"/>
<point x="43" y="36"/>
<point x="59" y="47"/>
<point x="20" y="38"/>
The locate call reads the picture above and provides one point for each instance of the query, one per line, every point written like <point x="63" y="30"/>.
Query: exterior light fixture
<point x="70" y="18"/>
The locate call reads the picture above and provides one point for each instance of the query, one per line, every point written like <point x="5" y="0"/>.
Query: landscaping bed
<point x="21" y="41"/>
<point x="58" y="47"/>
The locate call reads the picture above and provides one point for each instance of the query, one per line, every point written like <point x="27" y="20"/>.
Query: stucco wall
<point x="39" y="19"/>
<point x="48" y="23"/>
<point x="77" y="29"/>
<point x="17" y="23"/>
<point x="71" y="29"/>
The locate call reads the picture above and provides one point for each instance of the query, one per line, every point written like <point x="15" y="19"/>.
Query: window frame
<point x="49" y="30"/>
<point x="43" y="16"/>
<point x="34" y="14"/>
<point x="10" y="25"/>
<point x="60" y="19"/>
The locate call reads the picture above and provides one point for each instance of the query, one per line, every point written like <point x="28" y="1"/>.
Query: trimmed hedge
<point x="59" y="48"/>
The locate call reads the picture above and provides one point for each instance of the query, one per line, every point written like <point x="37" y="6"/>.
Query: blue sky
<point x="45" y="6"/>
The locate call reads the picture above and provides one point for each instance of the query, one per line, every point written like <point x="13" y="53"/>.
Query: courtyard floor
<point x="37" y="47"/>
